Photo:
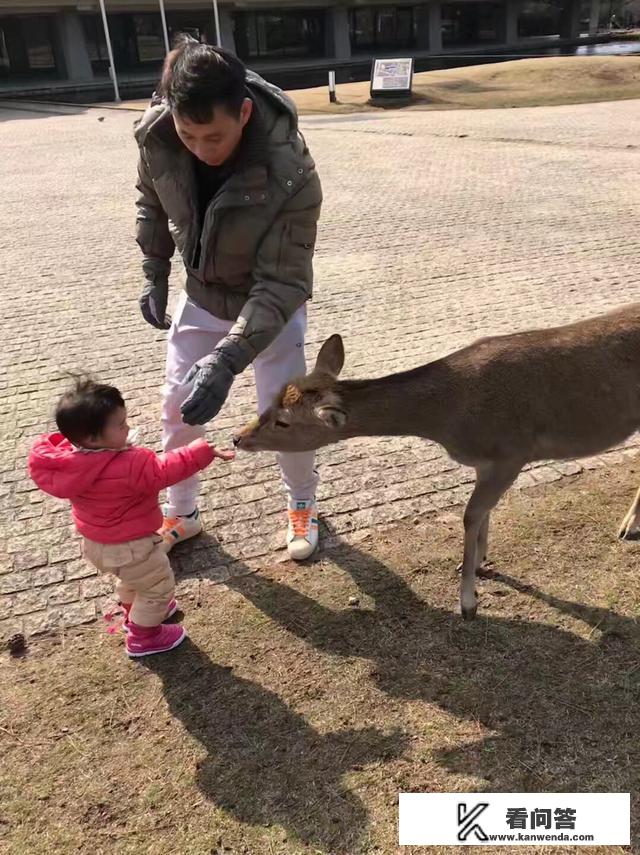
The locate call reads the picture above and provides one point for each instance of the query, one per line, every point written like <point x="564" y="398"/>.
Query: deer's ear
<point x="331" y="357"/>
<point x="332" y="417"/>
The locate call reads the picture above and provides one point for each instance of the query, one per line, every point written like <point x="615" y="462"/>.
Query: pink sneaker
<point x="146" y="640"/>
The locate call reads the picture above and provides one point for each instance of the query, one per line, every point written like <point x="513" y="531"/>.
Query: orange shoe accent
<point x="301" y="521"/>
<point x="302" y="533"/>
<point x="171" y="526"/>
<point x="176" y="529"/>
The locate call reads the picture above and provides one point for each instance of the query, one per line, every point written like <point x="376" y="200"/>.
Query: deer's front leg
<point x="491" y="482"/>
<point x="629" y="527"/>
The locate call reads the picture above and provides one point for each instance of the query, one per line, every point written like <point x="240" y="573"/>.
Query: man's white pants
<point x="194" y="334"/>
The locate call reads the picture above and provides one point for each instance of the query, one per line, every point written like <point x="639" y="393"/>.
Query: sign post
<point x="392" y="78"/>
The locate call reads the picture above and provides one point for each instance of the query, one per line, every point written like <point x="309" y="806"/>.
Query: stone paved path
<point x="437" y="228"/>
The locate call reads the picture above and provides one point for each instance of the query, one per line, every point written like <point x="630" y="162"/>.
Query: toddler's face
<point x="115" y="432"/>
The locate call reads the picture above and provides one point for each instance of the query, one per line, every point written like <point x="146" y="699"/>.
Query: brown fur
<point x="496" y="405"/>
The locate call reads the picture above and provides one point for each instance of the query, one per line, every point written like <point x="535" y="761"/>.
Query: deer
<point x="496" y="405"/>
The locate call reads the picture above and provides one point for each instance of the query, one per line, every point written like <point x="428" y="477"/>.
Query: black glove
<point x="153" y="304"/>
<point x="212" y="378"/>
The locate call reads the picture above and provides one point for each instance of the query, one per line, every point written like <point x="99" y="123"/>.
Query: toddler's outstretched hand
<point x="223" y="454"/>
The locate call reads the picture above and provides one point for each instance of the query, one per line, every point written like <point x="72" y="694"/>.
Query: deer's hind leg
<point x="629" y="527"/>
<point x="492" y="481"/>
<point x="483" y="541"/>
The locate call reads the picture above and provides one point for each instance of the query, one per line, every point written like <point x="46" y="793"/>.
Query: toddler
<point x="113" y="488"/>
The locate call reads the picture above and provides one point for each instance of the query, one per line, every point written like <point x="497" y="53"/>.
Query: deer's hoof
<point x="628" y="532"/>
<point x="483" y="571"/>
<point x="470" y="613"/>
<point x="486" y="570"/>
<point x="630" y="525"/>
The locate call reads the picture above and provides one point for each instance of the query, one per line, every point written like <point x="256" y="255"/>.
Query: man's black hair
<point x="83" y="411"/>
<point x="197" y="78"/>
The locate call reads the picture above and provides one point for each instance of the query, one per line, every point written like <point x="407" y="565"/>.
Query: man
<point x="226" y="177"/>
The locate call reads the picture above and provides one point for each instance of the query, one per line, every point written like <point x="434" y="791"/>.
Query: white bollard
<point x="332" y="87"/>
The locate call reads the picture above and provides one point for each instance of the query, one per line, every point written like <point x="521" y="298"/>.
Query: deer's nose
<point x="236" y="441"/>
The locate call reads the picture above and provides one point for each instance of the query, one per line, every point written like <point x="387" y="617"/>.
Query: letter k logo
<point x="467" y="821"/>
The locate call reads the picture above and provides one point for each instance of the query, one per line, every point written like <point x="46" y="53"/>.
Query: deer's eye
<point x="281" y="424"/>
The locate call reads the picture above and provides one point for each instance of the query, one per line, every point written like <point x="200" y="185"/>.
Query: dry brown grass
<point x="290" y="721"/>
<point x="519" y="83"/>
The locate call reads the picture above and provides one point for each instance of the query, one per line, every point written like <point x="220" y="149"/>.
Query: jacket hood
<point x="268" y="97"/>
<point x="60" y="469"/>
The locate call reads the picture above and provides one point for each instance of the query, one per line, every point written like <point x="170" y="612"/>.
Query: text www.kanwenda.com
<point x="545" y="838"/>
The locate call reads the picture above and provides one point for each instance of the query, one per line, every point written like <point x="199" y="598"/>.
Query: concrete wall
<point x="435" y="27"/>
<point x="338" y="41"/>
<point x="71" y="47"/>
<point x="512" y="9"/>
<point x="29" y="7"/>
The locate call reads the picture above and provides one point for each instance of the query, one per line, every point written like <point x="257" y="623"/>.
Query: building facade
<point x="64" y="43"/>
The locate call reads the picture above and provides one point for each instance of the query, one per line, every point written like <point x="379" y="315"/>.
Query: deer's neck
<point x="412" y="403"/>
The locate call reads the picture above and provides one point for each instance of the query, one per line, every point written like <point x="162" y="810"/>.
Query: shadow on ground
<point x="265" y="764"/>
<point x="550" y="685"/>
<point x="564" y="706"/>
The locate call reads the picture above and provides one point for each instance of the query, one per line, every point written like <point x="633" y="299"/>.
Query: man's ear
<point x="331" y="417"/>
<point x="246" y="111"/>
<point x="331" y="357"/>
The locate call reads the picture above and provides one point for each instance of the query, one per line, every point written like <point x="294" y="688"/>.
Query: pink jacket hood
<point x="64" y="471"/>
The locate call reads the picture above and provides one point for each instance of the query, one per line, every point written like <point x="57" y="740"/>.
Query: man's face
<point x="215" y="141"/>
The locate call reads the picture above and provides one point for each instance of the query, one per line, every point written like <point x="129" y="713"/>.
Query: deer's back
<point x="565" y="392"/>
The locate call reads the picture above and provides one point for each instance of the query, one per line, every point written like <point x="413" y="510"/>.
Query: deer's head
<point x="307" y="413"/>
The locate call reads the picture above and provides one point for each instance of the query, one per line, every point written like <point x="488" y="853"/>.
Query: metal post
<point x="164" y="26"/>
<point x="112" y="65"/>
<point x="332" y="87"/>
<point x="217" y="19"/>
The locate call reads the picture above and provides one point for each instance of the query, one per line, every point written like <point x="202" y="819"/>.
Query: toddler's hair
<point x="83" y="411"/>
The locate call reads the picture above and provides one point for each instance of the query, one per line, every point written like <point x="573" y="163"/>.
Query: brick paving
<point x="437" y="228"/>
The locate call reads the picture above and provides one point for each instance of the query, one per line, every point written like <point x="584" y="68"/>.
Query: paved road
<point x="437" y="227"/>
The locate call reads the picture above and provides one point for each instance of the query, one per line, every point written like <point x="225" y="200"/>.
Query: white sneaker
<point x="176" y="529"/>
<point x="302" y="533"/>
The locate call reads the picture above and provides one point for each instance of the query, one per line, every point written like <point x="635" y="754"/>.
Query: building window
<point x="539" y="18"/>
<point x="149" y="38"/>
<point x="39" y="44"/>
<point x="26" y="46"/>
<point x="137" y="41"/>
<point x="274" y="34"/>
<point x="199" y="24"/>
<point x="491" y="22"/>
<point x="472" y="23"/>
<point x="374" y="28"/>
<point x="95" y="42"/>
